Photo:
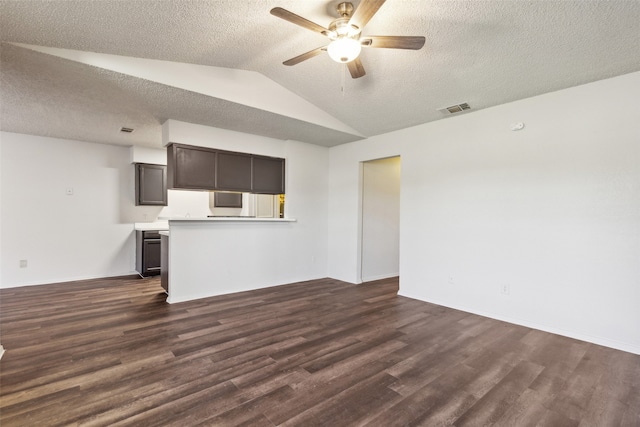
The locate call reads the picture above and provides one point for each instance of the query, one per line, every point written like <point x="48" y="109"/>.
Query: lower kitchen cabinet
<point x="148" y="253"/>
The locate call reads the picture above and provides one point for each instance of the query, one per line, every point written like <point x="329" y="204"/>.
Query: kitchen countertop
<point x="230" y="219"/>
<point x="164" y="225"/>
<point x="145" y="226"/>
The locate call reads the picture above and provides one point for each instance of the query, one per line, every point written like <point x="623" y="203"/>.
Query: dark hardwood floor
<point x="319" y="353"/>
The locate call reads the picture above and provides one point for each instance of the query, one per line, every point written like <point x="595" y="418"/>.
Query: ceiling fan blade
<point x="365" y="12"/>
<point x="355" y="68"/>
<point x="298" y="20"/>
<point x="298" y="59"/>
<point x="393" y="42"/>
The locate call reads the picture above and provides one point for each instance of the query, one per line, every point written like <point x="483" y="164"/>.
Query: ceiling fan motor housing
<point x="341" y="28"/>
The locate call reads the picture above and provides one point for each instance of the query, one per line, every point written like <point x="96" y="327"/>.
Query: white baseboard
<point x="383" y="276"/>
<point x="606" y="342"/>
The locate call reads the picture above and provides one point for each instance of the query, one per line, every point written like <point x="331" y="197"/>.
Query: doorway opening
<point x="380" y="221"/>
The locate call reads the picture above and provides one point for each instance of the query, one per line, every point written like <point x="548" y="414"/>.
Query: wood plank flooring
<point x="321" y="353"/>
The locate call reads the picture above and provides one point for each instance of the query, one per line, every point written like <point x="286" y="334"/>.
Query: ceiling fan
<point x="345" y="35"/>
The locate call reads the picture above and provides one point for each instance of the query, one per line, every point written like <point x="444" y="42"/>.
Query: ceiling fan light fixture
<point x="344" y="49"/>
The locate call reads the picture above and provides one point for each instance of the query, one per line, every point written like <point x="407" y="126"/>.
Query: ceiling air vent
<point x="126" y="130"/>
<point x="455" y="108"/>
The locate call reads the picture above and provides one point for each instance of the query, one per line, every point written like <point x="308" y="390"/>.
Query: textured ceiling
<point x="481" y="52"/>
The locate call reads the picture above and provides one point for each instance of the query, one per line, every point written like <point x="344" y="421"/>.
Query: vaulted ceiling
<point x="229" y="53"/>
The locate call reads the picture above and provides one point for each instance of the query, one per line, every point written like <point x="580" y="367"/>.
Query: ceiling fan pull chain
<point x="344" y="79"/>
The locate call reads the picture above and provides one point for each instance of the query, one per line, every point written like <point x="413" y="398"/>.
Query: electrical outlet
<point x="69" y="191"/>
<point x="23" y="263"/>
<point x="505" y="289"/>
<point x="451" y="281"/>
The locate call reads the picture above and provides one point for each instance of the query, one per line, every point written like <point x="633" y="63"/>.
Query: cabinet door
<point x="265" y="206"/>
<point x="233" y="172"/>
<point x="151" y="184"/>
<point x="151" y="251"/>
<point x="225" y="200"/>
<point x="191" y="168"/>
<point x="268" y="175"/>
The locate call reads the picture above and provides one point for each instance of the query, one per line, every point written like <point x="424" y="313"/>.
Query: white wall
<point x="181" y="203"/>
<point x="222" y="139"/>
<point x="380" y="219"/>
<point x="551" y="211"/>
<point x="88" y="234"/>
<point x="345" y="202"/>
<point x="64" y="237"/>
<point x="148" y="155"/>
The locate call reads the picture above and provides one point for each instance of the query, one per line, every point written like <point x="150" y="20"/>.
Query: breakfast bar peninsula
<point x="204" y="257"/>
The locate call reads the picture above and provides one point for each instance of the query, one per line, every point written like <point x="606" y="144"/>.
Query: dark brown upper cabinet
<point x="191" y="168"/>
<point x="268" y="175"/>
<point x="233" y="172"/>
<point x="151" y="184"/>
<point x="201" y="168"/>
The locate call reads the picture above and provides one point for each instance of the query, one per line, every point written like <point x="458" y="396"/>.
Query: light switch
<point x="69" y="191"/>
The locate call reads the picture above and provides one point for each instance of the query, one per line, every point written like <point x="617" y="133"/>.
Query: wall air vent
<point x="126" y="130"/>
<point x="455" y="108"/>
